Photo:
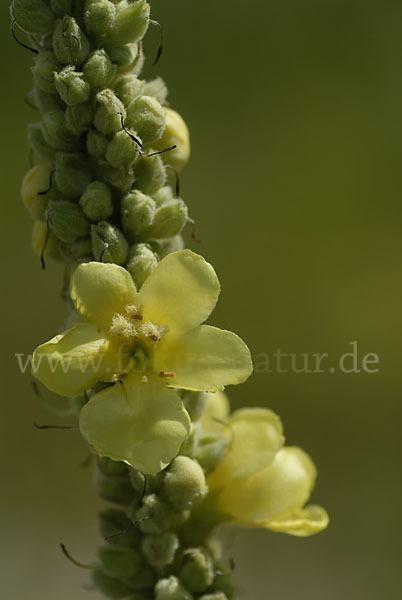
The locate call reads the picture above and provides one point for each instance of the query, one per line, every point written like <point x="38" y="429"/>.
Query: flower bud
<point x="45" y="101"/>
<point x="137" y="211"/>
<point x="126" y="57"/>
<point x="184" y="483"/>
<point x="195" y="404"/>
<point x="72" y="174"/>
<point x="176" y="133"/>
<point x="56" y="133"/>
<point x="156" y="88"/>
<point x="223" y="583"/>
<point x="70" y="44"/>
<point x="171" y="589"/>
<point x="116" y="490"/>
<point x="44" y="69"/>
<point x="109" y="243"/>
<point x="147" y="117"/>
<point x="96" y="201"/>
<point x="61" y="7"/>
<point x="81" y="248"/>
<point x="169" y="219"/>
<point x="211" y="449"/>
<point x="121" y="178"/>
<point x="130" y="25"/>
<point x="109" y="467"/>
<point x="153" y="516"/>
<point x="197" y="571"/>
<point x="108" y="112"/>
<point x="142" y="261"/>
<point x="41" y="237"/>
<point x="122" y="151"/>
<point x="163" y="196"/>
<point x="79" y="118"/>
<point x="99" y="16"/>
<point x="150" y="175"/>
<point x="72" y="86"/>
<point x="96" y="144"/>
<point x="215" y="596"/>
<point x="99" y="69"/>
<point x="36" y="180"/>
<point x="67" y="221"/>
<point x="165" y="247"/>
<point x="122" y="563"/>
<point x="37" y="143"/>
<point x="33" y="16"/>
<point x="138" y="482"/>
<point x="128" y="87"/>
<point x="160" y="550"/>
<point x="113" y="521"/>
<point x="109" y="586"/>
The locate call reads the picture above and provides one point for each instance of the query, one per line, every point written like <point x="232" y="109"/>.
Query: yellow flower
<point x="260" y="482"/>
<point x="147" y="341"/>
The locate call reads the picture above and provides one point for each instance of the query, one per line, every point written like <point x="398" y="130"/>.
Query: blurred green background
<point x="295" y="110"/>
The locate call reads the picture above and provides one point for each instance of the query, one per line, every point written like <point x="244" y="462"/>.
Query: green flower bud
<point x="56" y="133"/>
<point x="108" y="112"/>
<point x="147" y="117"/>
<point x="150" y="174"/>
<point x="111" y="468"/>
<point x="130" y="25"/>
<point x="153" y="516"/>
<point x="215" y="596"/>
<point x="189" y="446"/>
<point x="176" y="133"/>
<point x="79" y="118"/>
<point x="72" y="86"/>
<point x="184" y="483"/>
<point x="137" y="480"/>
<point x="41" y="236"/>
<point x="142" y="261"/>
<point x="165" y="247"/>
<point x="128" y="87"/>
<point x="72" y="174"/>
<point x="96" y="201"/>
<point x="121" y="178"/>
<point x="169" y="219"/>
<point x="36" y="180"/>
<point x="171" y="589"/>
<point x="61" y="7"/>
<point x="160" y="550"/>
<point x="163" y="196"/>
<point x="70" y="44"/>
<point x="115" y="490"/>
<point x="211" y="449"/>
<point x="81" y="248"/>
<point x="47" y="102"/>
<point x="195" y="404"/>
<point x="96" y="144"/>
<point x="99" y="16"/>
<point x="99" y="69"/>
<point x="113" y="521"/>
<point x="122" y="563"/>
<point x="37" y="143"/>
<point x="125" y="57"/>
<point x="223" y="582"/>
<point x="67" y="221"/>
<point x="109" y="586"/>
<point x="109" y="243"/>
<point x="197" y="571"/>
<point x="137" y="211"/>
<point x="33" y="16"/>
<point x="44" y="69"/>
<point x="122" y="151"/>
<point x="156" y="88"/>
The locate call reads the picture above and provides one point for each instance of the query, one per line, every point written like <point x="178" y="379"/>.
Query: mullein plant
<point x="144" y="375"/>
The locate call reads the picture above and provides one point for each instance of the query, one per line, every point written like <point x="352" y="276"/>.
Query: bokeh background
<point x="295" y="109"/>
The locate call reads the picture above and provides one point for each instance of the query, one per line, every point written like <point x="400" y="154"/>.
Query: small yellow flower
<point x="261" y="482"/>
<point x="150" y="342"/>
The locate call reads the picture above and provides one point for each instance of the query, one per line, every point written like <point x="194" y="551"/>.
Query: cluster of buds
<point x="106" y="140"/>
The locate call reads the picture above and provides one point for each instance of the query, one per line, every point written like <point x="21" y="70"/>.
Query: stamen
<point x="167" y="374"/>
<point x="117" y="377"/>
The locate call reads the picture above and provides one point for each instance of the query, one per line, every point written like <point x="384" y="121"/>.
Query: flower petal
<point x="302" y="523"/>
<point x="205" y="359"/>
<point x="181" y="293"/>
<point x="99" y="290"/>
<point x="72" y="361"/>
<point x="215" y="414"/>
<point x="256" y="437"/>
<point x="142" y="424"/>
<point x="276" y="491"/>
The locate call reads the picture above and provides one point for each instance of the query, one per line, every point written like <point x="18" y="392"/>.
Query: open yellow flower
<point x="260" y="482"/>
<point x="149" y="341"/>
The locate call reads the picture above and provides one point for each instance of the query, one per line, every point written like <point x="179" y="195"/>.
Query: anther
<point x="160" y="49"/>
<point x="50" y="184"/>
<point x="18" y="41"/>
<point x="167" y="374"/>
<point x="118" y="377"/>
<point x="124" y="128"/>
<point x="71" y="559"/>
